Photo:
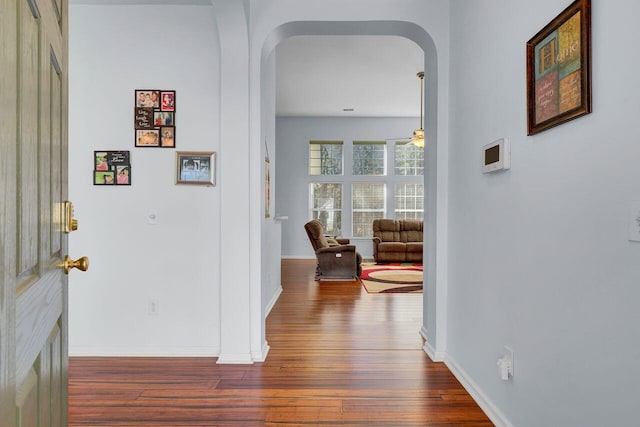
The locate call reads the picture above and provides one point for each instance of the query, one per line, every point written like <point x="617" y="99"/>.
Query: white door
<point x="33" y="187"/>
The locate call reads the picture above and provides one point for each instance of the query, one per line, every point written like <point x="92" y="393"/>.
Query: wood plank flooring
<point x="339" y="357"/>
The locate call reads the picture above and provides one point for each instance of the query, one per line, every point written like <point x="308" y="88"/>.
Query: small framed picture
<point x="148" y="98"/>
<point x="143" y="118"/>
<point x="196" y="168"/>
<point x="123" y="175"/>
<point x="147" y="137"/>
<point x="168" y="100"/>
<point x="167" y="136"/>
<point x="104" y="177"/>
<point x="163" y="118"/>
<point x="111" y="167"/>
<point x="102" y="160"/>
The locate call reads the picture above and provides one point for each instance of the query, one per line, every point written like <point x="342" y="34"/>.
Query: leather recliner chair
<point x="337" y="259"/>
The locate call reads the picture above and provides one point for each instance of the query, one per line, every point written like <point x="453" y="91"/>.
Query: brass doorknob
<point x="81" y="264"/>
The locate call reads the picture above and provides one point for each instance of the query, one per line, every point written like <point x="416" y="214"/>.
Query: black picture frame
<point x="111" y="167"/>
<point x="154" y="109"/>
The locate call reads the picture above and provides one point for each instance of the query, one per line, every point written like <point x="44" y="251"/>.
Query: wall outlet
<point x="508" y="356"/>
<point x="153" y="308"/>
<point x="634" y="221"/>
<point x="505" y="364"/>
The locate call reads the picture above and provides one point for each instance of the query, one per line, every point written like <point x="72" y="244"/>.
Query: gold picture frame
<point x="196" y="168"/>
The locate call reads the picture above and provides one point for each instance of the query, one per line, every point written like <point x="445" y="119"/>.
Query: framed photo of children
<point x="559" y="69"/>
<point x="111" y="168"/>
<point x="155" y="118"/>
<point x="196" y="168"/>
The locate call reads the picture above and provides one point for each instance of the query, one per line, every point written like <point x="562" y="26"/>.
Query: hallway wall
<point x="539" y="255"/>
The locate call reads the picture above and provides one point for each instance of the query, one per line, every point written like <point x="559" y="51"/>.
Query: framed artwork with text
<point x="155" y="118"/>
<point x="559" y="69"/>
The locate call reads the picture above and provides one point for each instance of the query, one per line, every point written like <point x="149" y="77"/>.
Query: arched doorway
<point x="434" y="302"/>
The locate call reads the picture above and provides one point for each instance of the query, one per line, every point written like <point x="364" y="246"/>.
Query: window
<point x="378" y="180"/>
<point x="369" y="158"/>
<point x="326" y="206"/>
<point x="409" y="201"/>
<point x="409" y="160"/>
<point x="368" y="204"/>
<point x="325" y="158"/>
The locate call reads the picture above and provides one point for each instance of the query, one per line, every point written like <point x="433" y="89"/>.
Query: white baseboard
<point x="298" y="257"/>
<point x="235" y="359"/>
<point x="273" y="302"/>
<point x="423" y="332"/>
<point x="495" y="415"/>
<point x="144" y="351"/>
<point x="435" y="356"/>
<point x="261" y="356"/>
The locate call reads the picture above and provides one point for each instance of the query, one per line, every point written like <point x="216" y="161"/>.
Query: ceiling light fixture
<point x="418" y="135"/>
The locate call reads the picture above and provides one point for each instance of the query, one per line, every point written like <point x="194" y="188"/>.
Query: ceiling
<point x="323" y="75"/>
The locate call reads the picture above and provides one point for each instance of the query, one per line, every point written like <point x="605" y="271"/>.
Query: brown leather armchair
<point x="337" y="259"/>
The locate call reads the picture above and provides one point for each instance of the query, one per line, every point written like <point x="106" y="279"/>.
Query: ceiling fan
<point x="418" y="135"/>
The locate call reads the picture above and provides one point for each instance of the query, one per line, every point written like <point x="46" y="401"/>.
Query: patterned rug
<point x="392" y="277"/>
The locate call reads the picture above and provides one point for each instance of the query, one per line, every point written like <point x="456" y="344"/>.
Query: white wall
<point x="210" y="301"/>
<point x="271" y="228"/>
<point x="293" y="135"/>
<point x="113" y="51"/>
<point x="539" y="256"/>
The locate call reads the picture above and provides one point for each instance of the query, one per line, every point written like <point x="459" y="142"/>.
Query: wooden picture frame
<point x="559" y="69"/>
<point x="196" y="168"/>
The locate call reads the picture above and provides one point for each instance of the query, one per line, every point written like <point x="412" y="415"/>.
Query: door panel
<point x="27" y="401"/>
<point x="55" y="215"/>
<point x="33" y="182"/>
<point x="28" y="137"/>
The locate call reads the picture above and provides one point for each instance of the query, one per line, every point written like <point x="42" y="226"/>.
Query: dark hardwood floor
<point x="339" y="357"/>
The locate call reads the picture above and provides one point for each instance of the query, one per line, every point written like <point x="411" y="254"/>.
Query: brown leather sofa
<point x="337" y="259"/>
<point x="397" y="240"/>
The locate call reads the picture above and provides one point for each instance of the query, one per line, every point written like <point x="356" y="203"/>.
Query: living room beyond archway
<point x="421" y="38"/>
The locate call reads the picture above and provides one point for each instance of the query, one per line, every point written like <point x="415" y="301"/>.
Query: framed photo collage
<point x="155" y="118"/>
<point x="111" y="168"/>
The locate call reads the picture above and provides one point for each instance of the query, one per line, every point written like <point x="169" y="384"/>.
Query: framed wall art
<point x="559" y="69"/>
<point x="196" y="168"/>
<point x="155" y="118"/>
<point x="267" y="187"/>
<point x="111" y="168"/>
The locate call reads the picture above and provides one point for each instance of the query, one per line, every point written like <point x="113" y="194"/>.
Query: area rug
<point x="392" y="278"/>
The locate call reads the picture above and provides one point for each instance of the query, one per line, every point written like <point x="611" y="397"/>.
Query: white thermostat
<point x="496" y="156"/>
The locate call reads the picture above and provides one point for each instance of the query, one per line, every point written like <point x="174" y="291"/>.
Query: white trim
<point x="144" y="351"/>
<point x="423" y="332"/>
<point x="494" y="414"/>
<point x="235" y="359"/>
<point x="273" y="301"/>
<point x="262" y="355"/>
<point x="436" y="356"/>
